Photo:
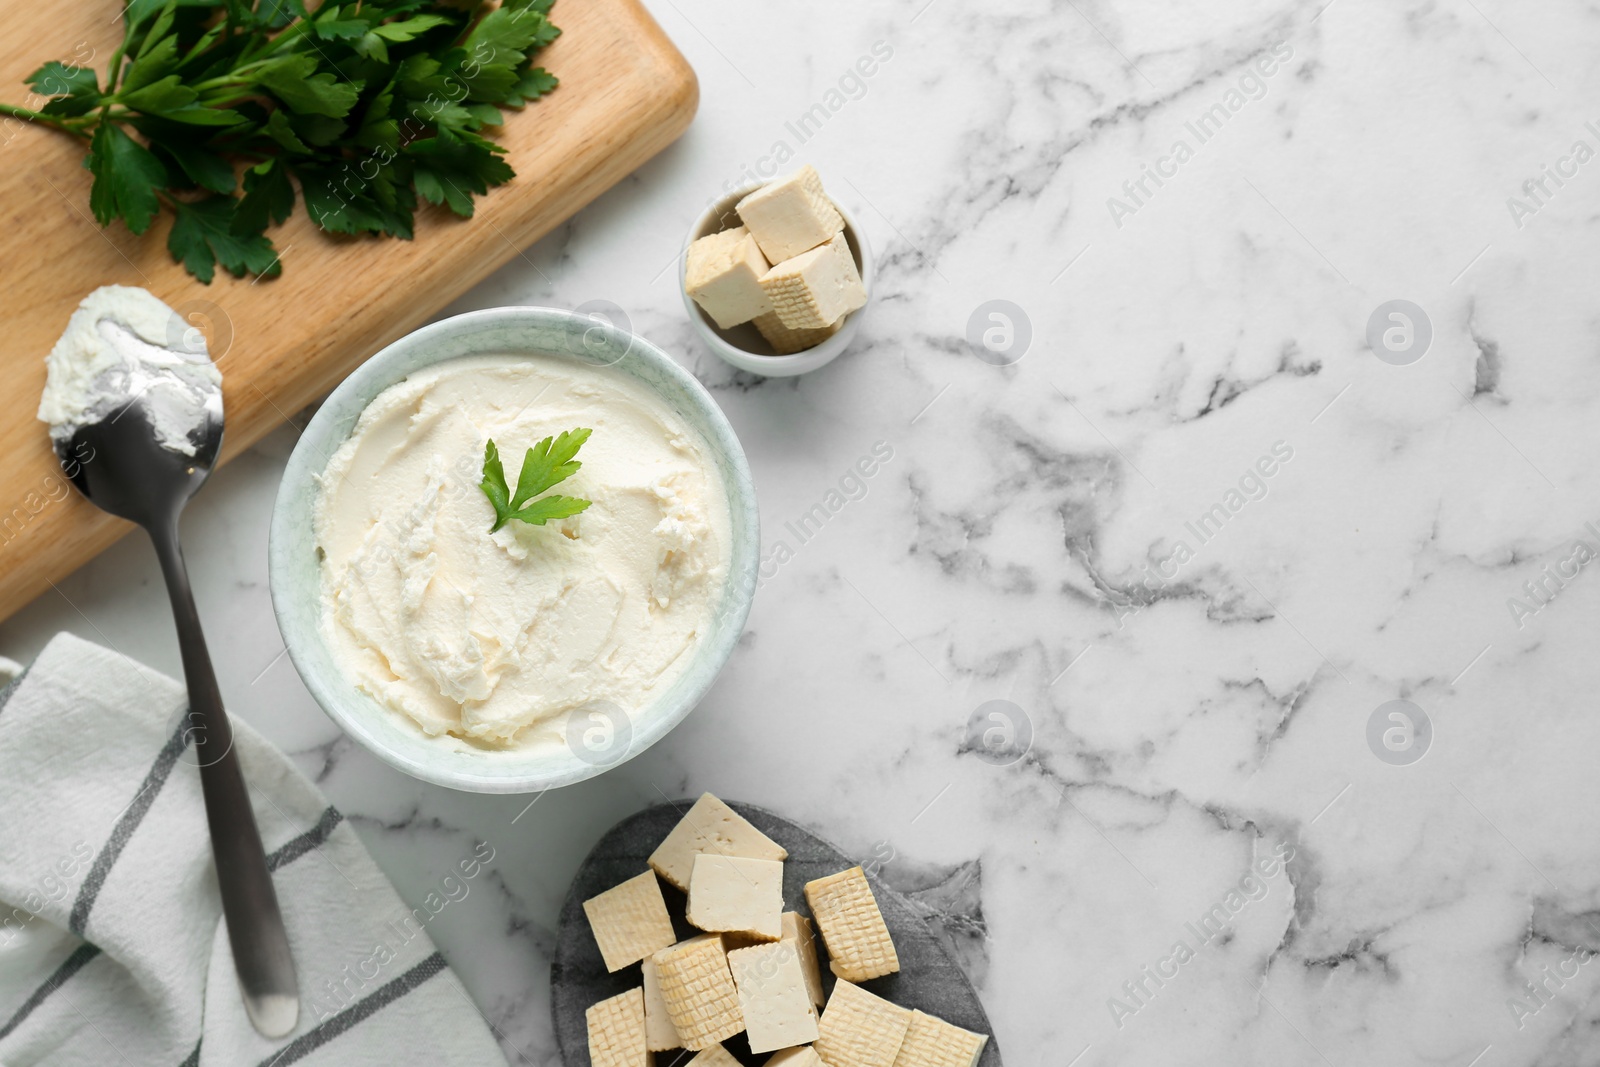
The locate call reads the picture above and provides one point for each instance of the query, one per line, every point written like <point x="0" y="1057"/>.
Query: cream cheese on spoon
<point x="123" y="342"/>
<point x="495" y="638"/>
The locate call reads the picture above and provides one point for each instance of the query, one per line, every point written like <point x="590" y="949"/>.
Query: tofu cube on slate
<point x="858" y="941"/>
<point x="932" y="1042"/>
<point x="630" y="921"/>
<point x="786" y="342"/>
<point x="777" y="1008"/>
<point x="860" y="1029"/>
<point x="698" y="989"/>
<point x="659" y="1033"/>
<point x="816" y="288"/>
<point x="790" y="215"/>
<point x="723" y="275"/>
<point x="797" y="928"/>
<point x="616" y="1031"/>
<point x="736" y="894"/>
<point x="715" y="1056"/>
<point x="710" y="826"/>
<point x="804" y="1056"/>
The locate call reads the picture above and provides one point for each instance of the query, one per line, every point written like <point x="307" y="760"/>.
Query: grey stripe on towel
<point x="387" y="993"/>
<point x="69" y="967"/>
<point x="132" y="816"/>
<point x="313" y="838"/>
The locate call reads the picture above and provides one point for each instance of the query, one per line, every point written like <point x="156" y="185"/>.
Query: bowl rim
<point x="774" y="366"/>
<point x="326" y="432"/>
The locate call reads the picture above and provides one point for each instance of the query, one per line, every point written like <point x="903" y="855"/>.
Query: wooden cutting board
<point x="625" y="94"/>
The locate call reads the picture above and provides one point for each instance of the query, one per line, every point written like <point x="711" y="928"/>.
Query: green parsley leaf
<point x="494" y="485"/>
<point x="171" y="99"/>
<point x="279" y="130"/>
<point x="546" y="464"/>
<point x="59" y="79"/>
<point x="153" y="63"/>
<point x="205" y="168"/>
<point x="75" y="90"/>
<point x="126" y="177"/>
<point x="531" y="85"/>
<point x="409" y="29"/>
<point x="319" y="131"/>
<point x="335" y="29"/>
<point x="450" y="167"/>
<point x="268" y="196"/>
<point x="371" y="46"/>
<point x="504" y="35"/>
<point x="342" y="200"/>
<point x="275" y="14"/>
<point x="378" y="128"/>
<point x="554" y="506"/>
<point x="292" y="81"/>
<point x="203" y="236"/>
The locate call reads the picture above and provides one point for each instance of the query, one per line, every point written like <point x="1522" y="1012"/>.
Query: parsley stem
<point x="23" y="113"/>
<point x="227" y="81"/>
<point x="287" y="37"/>
<point x="238" y="76"/>
<point x="115" y="68"/>
<point x="40" y="117"/>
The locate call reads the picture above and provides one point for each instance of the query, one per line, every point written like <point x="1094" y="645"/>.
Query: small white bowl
<point x="743" y="346"/>
<point x="295" y="567"/>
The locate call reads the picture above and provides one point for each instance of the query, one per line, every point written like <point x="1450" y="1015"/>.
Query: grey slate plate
<point x="929" y="976"/>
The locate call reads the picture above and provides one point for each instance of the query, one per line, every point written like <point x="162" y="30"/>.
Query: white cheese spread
<point x="123" y="343"/>
<point x="496" y="638"/>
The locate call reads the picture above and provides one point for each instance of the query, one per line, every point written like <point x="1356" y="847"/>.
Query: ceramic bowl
<point x="743" y="346"/>
<point x="296" y="572"/>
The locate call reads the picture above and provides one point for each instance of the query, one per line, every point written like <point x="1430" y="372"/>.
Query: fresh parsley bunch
<point x="361" y="105"/>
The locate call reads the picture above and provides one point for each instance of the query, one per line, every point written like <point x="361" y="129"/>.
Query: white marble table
<point x="1196" y="649"/>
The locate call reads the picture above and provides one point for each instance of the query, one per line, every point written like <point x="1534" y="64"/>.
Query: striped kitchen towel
<point x="112" y="947"/>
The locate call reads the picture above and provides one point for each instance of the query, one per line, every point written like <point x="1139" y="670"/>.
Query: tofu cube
<point x="616" y="1031"/>
<point x="804" y="1056"/>
<point x="859" y="945"/>
<point x="715" y="1056"/>
<point x="630" y="921"/>
<point x="790" y="215"/>
<point x="860" y="1029"/>
<point x="737" y="895"/>
<point x="710" y="826"/>
<point x="816" y="288"/>
<point x="723" y="275"/>
<point x="932" y="1042"/>
<point x="773" y="998"/>
<point x="698" y="989"/>
<point x="659" y="1033"/>
<point x="785" y="341"/>
<point x="797" y="928"/>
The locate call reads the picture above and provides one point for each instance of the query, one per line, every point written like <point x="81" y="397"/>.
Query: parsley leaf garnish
<point x="546" y="464"/>
<point x="358" y="108"/>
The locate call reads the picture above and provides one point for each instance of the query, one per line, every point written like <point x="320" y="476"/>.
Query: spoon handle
<point x="260" y="945"/>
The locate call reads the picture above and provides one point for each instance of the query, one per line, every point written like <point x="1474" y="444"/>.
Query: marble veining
<point x="1095" y="667"/>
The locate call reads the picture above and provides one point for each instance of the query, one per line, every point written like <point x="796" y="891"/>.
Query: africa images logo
<point x="1251" y="86"/>
<point x="1214" y="926"/>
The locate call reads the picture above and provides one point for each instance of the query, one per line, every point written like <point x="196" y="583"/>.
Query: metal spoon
<point x="126" y="465"/>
